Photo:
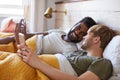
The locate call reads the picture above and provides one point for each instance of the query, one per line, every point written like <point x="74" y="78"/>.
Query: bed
<point x="103" y="12"/>
<point x="7" y="27"/>
<point x="108" y="15"/>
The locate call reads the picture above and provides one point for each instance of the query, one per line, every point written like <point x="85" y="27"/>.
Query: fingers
<point x="24" y="54"/>
<point x="19" y="54"/>
<point x="23" y="50"/>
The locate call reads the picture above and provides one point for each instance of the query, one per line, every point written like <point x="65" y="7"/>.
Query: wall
<point x="102" y="11"/>
<point x="50" y="23"/>
<point x="37" y="20"/>
<point x="38" y="15"/>
<point x="40" y="23"/>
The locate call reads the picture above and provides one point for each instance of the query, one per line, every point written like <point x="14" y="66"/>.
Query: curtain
<point x="27" y="9"/>
<point x="33" y="13"/>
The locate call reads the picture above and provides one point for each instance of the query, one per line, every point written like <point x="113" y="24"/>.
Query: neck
<point x="95" y="52"/>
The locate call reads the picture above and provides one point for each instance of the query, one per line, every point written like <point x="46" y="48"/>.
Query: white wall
<point x="37" y="18"/>
<point x="50" y="23"/>
<point x="102" y="11"/>
<point x="40" y="23"/>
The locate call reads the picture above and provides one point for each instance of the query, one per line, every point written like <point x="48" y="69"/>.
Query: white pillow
<point x="112" y="52"/>
<point x="6" y="20"/>
<point x="115" y="77"/>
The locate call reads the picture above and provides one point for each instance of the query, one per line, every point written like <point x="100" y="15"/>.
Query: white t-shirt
<point x="53" y="43"/>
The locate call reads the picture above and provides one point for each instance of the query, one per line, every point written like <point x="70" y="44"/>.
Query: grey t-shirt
<point x="82" y="63"/>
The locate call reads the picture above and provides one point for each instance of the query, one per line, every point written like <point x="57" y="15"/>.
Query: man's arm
<point x="6" y="40"/>
<point x="56" y="74"/>
<point x="33" y="60"/>
<point x="9" y="39"/>
<point x="21" y="28"/>
<point x="88" y="75"/>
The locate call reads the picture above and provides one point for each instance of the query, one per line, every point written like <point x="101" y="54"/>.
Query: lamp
<point x="48" y="12"/>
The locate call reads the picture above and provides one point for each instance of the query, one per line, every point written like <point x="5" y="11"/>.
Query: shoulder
<point x="101" y="66"/>
<point x="56" y="31"/>
<point x="98" y="63"/>
<point x="102" y="61"/>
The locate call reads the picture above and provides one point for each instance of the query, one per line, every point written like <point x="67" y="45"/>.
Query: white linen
<point x="112" y="52"/>
<point x="65" y="66"/>
<point x="115" y="77"/>
<point x="40" y="41"/>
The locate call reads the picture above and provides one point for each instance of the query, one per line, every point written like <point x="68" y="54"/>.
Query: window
<point x="11" y="8"/>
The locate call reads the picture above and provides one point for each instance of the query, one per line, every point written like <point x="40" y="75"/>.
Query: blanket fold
<point x="12" y="47"/>
<point x="13" y="68"/>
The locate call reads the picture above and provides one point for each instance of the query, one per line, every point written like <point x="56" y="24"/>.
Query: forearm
<point x="54" y="73"/>
<point x="33" y="60"/>
<point x="6" y="40"/>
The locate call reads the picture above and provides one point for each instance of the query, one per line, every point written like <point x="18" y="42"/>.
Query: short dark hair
<point x="88" y="21"/>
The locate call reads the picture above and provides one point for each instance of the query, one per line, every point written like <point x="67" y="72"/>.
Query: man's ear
<point x="96" y="39"/>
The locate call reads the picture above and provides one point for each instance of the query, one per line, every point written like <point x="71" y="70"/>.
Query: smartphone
<point x="21" y="39"/>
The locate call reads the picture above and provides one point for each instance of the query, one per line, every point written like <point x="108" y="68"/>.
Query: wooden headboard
<point x="102" y="11"/>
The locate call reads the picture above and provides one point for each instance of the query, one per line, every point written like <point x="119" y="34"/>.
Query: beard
<point x="73" y="39"/>
<point x="86" y="45"/>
